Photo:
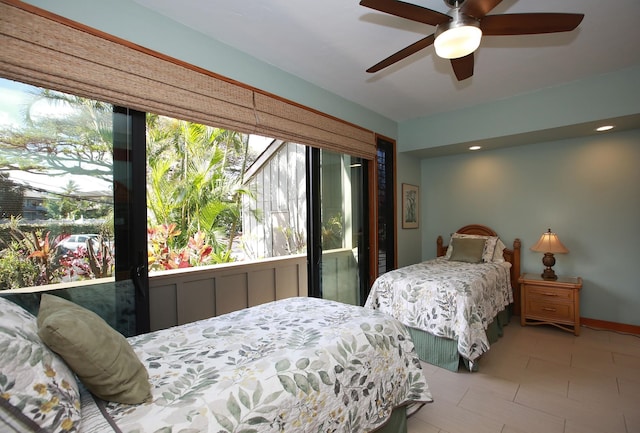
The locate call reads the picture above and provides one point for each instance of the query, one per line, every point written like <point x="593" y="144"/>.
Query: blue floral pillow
<point x="37" y="388"/>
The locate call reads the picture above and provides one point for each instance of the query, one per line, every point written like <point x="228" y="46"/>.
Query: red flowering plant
<point x="164" y="255"/>
<point x="200" y="251"/>
<point x="44" y="252"/>
<point x="88" y="262"/>
<point x="75" y="265"/>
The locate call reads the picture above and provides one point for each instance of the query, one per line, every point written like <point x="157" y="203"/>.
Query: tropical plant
<point x="45" y="250"/>
<point x="16" y="270"/>
<point x="37" y="258"/>
<point x="195" y="175"/>
<point x="331" y="232"/>
<point x="65" y="207"/>
<point x="88" y="262"/>
<point x="163" y="256"/>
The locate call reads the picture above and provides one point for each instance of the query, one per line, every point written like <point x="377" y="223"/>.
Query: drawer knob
<point x="549" y="309"/>
<point x="550" y="294"/>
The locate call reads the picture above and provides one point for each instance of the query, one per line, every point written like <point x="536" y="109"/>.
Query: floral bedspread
<point x="449" y="299"/>
<point x="300" y="364"/>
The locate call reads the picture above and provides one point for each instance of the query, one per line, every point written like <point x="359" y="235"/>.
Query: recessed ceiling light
<point x="604" y="128"/>
<point x="475" y="148"/>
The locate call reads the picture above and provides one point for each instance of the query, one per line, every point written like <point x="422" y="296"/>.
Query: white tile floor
<point x="539" y="379"/>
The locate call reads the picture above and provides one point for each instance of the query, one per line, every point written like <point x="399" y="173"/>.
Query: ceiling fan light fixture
<point x="458" y="37"/>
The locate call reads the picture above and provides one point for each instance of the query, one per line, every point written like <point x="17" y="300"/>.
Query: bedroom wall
<point x="585" y="189"/>
<point x="409" y="241"/>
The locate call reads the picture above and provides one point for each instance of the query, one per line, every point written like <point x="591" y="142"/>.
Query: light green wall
<point x="585" y="100"/>
<point x="587" y="190"/>
<point x="409" y="241"/>
<point x="128" y="20"/>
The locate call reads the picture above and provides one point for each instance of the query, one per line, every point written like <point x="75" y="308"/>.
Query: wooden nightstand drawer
<point x="537" y="292"/>
<point x="552" y="311"/>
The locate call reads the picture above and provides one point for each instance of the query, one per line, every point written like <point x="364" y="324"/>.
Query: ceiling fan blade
<point x="408" y="11"/>
<point x="529" y="24"/>
<point x="478" y="8"/>
<point x="405" y="52"/>
<point x="463" y="67"/>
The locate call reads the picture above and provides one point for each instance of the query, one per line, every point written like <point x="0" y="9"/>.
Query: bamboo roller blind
<point x="42" y="49"/>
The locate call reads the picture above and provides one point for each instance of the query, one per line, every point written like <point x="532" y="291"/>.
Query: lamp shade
<point x="549" y="243"/>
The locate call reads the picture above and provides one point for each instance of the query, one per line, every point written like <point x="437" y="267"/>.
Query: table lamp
<point x="549" y="244"/>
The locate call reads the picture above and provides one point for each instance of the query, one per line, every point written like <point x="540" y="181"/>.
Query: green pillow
<point x="467" y="250"/>
<point x="99" y="355"/>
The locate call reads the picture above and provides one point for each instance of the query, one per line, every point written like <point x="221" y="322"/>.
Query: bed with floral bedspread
<point x="299" y="364"/>
<point x="449" y="299"/>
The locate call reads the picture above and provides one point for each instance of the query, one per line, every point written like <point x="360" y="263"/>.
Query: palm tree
<point x="194" y="181"/>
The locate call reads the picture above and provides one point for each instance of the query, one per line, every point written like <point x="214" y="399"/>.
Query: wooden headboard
<point x="510" y="255"/>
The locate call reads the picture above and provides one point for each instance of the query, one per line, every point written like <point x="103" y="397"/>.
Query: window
<point x="78" y="60"/>
<point x="61" y="160"/>
<point x="56" y="149"/>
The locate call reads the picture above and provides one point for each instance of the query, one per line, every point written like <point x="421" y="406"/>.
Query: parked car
<point x="74" y="241"/>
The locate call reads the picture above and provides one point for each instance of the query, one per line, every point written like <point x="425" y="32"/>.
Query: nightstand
<point x="550" y="302"/>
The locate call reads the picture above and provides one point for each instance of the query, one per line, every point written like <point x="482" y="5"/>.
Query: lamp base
<point x="548" y="260"/>
<point x="549" y="274"/>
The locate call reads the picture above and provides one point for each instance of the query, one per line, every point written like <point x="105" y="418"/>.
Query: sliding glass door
<point x="338" y="227"/>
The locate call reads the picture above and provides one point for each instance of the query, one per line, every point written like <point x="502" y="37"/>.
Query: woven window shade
<point x="48" y="51"/>
<point x="298" y="124"/>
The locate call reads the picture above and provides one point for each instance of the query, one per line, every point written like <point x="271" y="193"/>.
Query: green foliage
<point x="194" y="186"/>
<point x="16" y="270"/>
<point x="194" y="189"/>
<point x="71" y="205"/>
<point x="35" y="257"/>
<point x="89" y="262"/>
<point x="43" y="249"/>
<point x="331" y="232"/>
<point x="163" y="254"/>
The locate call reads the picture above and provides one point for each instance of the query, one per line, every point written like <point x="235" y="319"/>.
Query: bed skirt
<point x="397" y="422"/>
<point x="443" y="352"/>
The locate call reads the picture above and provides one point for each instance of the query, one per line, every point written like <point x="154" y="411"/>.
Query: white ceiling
<point x="331" y="43"/>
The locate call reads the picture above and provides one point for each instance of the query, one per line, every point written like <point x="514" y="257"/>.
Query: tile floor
<point x="539" y="379"/>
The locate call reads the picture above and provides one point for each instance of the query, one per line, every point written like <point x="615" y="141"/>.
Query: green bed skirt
<point x="397" y="423"/>
<point x="443" y="352"/>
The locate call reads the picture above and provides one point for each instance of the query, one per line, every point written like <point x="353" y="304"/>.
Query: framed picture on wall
<point x="410" y="206"/>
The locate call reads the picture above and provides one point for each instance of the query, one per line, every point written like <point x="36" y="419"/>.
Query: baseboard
<point x="610" y="326"/>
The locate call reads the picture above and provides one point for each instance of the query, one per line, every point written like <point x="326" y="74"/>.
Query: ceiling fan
<point x="458" y="35"/>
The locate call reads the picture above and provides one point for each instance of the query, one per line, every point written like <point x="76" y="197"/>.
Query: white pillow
<point x="498" y="253"/>
<point x="489" y="246"/>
